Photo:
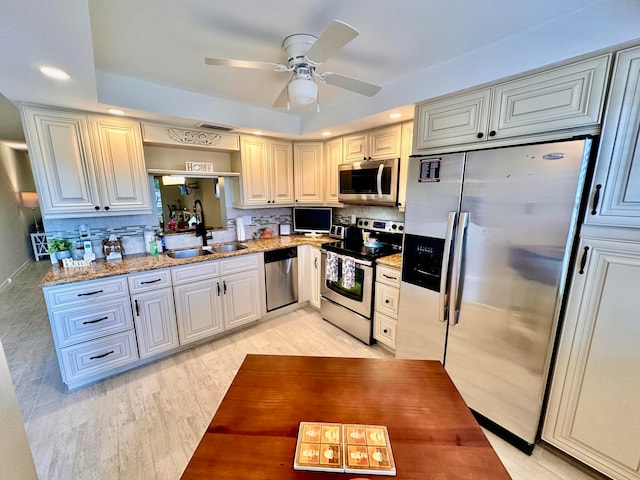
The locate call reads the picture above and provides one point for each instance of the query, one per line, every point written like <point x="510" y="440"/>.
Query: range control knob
<point x="401" y="228"/>
<point x="394" y="226"/>
<point x="366" y="223"/>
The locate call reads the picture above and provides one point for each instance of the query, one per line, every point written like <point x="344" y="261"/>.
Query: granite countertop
<point x="143" y="262"/>
<point x="393" y="261"/>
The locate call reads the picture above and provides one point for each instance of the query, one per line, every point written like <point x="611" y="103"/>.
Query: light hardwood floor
<point x="146" y="423"/>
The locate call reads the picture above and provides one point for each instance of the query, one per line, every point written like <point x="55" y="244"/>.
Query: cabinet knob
<point x="107" y="207"/>
<point x="492" y="133"/>
<point x="386" y="301"/>
<point x="96" y="207"/>
<point x="480" y="135"/>
<point x="385" y="330"/>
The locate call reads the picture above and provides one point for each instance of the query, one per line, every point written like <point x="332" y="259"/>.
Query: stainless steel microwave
<point x="370" y="182"/>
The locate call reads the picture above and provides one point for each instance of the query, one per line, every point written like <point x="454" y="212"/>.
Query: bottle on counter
<point x="163" y="242"/>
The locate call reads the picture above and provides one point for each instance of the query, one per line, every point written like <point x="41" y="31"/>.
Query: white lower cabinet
<point x="594" y="408"/>
<point x="92" y="328"/>
<point x="198" y="310"/>
<point x="314" y="282"/>
<point x="241" y="298"/>
<point x="213" y="296"/>
<point x="153" y="312"/>
<point x="155" y="320"/>
<point x="385" y="314"/>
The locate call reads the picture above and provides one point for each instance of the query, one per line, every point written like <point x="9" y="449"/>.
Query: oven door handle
<point x="379" y="178"/>
<point x="364" y="263"/>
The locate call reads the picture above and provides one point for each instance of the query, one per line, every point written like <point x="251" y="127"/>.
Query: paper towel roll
<point x="240" y="229"/>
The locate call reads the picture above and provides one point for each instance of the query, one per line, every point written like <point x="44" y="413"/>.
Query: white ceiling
<point x="147" y="56"/>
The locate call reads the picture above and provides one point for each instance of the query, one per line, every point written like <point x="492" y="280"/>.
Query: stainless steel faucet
<point x="201" y="229"/>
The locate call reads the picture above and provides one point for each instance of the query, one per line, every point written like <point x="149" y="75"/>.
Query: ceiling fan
<point x="304" y="53"/>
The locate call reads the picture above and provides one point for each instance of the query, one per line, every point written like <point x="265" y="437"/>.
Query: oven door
<point x="357" y="298"/>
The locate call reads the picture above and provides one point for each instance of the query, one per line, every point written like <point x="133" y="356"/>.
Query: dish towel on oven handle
<point x="348" y="272"/>
<point x="331" y="273"/>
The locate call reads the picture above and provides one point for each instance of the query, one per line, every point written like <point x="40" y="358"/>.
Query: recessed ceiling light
<point x="55" y="73"/>
<point x="115" y="111"/>
<point x="395" y="115"/>
<point x="326" y="134"/>
<point x="257" y="132"/>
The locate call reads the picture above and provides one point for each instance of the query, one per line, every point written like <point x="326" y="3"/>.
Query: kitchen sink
<point x="189" y="253"/>
<point x="228" y="247"/>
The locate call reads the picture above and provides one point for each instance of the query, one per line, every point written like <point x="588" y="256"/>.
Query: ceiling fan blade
<point x="333" y="38"/>
<point x="230" y="62"/>
<point x="283" y="98"/>
<point x="348" y="83"/>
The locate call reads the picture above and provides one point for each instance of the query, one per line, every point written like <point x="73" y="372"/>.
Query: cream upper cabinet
<point x="266" y="172"/>
<point x="615" y="192"/>
<point x="120" y="158"/>
<point x="405" y="153"/>
<point x="308" y="172"/>
<point x="86" y="165"/>
<point x="557" y="99"/>
<point x="333" y="158"/>
<point x="594" y="412"/>
<point x="281" y="167"/>
<point x="373" y="144"/>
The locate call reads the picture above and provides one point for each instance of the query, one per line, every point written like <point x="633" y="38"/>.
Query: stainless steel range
<point x="348" y="275"/>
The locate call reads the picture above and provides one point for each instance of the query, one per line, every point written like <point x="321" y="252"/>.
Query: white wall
<point x="15" y="220"/>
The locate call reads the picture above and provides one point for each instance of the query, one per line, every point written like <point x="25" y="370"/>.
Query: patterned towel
<point x="331" y="273"/>
<point x="348" y="272"/>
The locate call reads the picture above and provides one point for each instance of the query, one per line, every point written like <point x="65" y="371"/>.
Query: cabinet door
<point x="333" y="158"/>
<point x="119" y="155"/>
<point x="62" y="161"/>
<point x="314" y="281"/>
<point x="385" y="142"/>
<point x="615" y="195"/>
<point x="308" y="172"/>
<point x="355" y="147"/>
<point x="241" y="294"/>
<point x="155" y="320"/>
<point x="405" y="152"/>
<point x="452" y="120"/>
<point x="593" y="412"/>
<point x="255" y="175"/>
<point x="564" y="97"/>
<point x="198" y="310"/>
<point x="281" y="165"/>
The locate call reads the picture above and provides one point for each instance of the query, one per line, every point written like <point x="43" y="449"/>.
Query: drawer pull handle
<point x="583" y="262"/>
<point x="151" y="281"/>
<point x="596" y="200"/>
<point x="389" y="277"/>
<point x="90" y="293"/>
<point x="101" y="356"/>
<point x="94" y="321"/>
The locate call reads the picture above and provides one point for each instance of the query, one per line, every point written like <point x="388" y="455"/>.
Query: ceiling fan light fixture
<point x="303" y="91"/>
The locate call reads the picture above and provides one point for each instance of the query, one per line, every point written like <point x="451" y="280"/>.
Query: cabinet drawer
<point x="85" y="293"/>
<point x="239" y="264"/>
<point x="193" y="273"/>
<point x="387" y="300"/>
<point x="384" y="329"/>
<point x="388" y="276"/>
<point x="98" y="356"/>
<point x="143" y="282"/>
<point x="75" y="325"/>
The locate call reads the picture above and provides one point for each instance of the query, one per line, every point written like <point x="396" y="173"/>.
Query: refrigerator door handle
<point x="458" y="254"/>
<point x="379" y="178"/>
<point x="444" y="272"/>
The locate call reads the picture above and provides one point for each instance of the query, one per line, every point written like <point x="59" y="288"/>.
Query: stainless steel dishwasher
<point x="281" y="277"/>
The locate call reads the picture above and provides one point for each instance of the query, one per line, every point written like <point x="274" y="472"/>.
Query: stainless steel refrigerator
<point x="488" y="239"/>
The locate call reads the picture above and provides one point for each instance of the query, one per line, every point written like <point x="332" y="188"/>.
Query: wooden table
<point x="253" y="434"/>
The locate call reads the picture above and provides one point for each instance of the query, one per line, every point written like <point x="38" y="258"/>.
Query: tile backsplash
<point x="130" y="228"/>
